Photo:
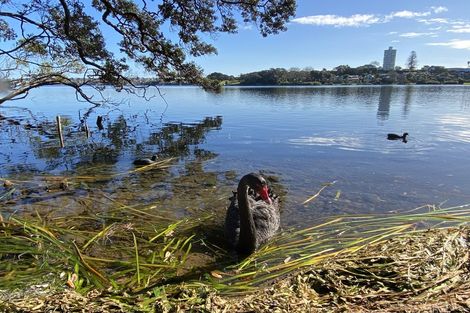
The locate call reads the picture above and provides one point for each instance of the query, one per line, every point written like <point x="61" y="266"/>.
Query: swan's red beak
<point x="264" y="193"/>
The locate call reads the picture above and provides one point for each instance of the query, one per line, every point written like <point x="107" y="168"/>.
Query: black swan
<point x="253" y="215"/>
<point x="396" y="137"/>
<point x="146" y="161"/>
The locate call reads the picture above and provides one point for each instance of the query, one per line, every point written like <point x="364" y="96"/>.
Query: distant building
<point x="389" y="59"/>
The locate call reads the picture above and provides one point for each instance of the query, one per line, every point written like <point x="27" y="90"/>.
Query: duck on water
<point x="253" y="215"/>
<point x="146" y="161"/>
<point x="397" y="137"/>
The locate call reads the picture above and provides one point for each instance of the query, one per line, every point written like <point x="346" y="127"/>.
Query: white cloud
<point x="408" y="14"/>
<point x="455" y="44"/>
<point x="429" y="21"/>
<point x="414" y="35"/>
<point x="412" y="14"/>
<point x="460" y="29"/>
<point x="358" y="20"/>
<point x="247" y="27"/>
<point x="439" y="9"/>
<point x="355" y="20"/>
<point x="393" y="33"/>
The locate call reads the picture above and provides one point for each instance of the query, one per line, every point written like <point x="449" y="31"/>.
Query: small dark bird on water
<point x="397" y="137"/>
<point x="146" y="161"/>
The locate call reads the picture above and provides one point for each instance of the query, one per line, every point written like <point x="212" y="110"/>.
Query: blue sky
<point x="325" y="34"/>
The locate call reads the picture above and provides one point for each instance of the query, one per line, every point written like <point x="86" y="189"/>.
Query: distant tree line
<point x="344" y="74"/>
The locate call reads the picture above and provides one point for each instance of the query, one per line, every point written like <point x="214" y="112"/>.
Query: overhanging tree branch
<point x="61" y="42"/>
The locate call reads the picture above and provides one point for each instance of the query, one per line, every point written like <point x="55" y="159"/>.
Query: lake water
<point x="301" y="137"/>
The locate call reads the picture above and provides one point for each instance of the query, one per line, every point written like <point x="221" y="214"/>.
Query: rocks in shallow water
<point x="7" y="183"/>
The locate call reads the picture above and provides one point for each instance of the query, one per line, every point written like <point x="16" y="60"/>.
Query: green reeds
<point x="132" y="249"/>
<point x="121" y="254"/>
<point x="137" y="266"/>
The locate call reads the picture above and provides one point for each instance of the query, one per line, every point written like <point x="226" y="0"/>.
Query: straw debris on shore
<point x="425" y="271"/>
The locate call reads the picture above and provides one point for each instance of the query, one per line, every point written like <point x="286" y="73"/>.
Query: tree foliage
<point x="47" y="42"/>
<point x="343" y="75"/>
<point x="220" y="76"/>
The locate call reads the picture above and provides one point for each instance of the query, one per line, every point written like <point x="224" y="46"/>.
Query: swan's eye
<point x="259" y="187"/>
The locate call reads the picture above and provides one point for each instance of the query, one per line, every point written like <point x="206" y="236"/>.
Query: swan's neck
<point x="247" y="239"/>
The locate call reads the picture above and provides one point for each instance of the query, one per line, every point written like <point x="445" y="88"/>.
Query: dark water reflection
<point x="384" y="102"/>
<point x="300" y="137"/>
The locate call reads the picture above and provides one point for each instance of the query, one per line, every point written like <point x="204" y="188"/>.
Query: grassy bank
<point x="131" y="259"/>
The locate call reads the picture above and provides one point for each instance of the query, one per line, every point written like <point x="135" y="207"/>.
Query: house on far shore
<point x="354" y="79"/>
<point x="459" y="70"/>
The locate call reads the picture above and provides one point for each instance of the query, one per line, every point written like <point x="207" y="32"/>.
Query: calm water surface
<point x="300" y="137"/>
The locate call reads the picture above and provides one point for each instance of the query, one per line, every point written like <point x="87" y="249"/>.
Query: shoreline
<point x="420" y="271"/>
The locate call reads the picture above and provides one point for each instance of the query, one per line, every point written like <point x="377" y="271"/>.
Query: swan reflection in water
<point x="253" y="215"/>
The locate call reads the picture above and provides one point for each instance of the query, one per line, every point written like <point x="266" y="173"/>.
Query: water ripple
<point x="365" y="143"/>
<point x="454" y="128"/>
<point x="342" y="142"/>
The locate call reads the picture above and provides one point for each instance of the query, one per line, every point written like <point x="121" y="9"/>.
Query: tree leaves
<point x="158" y="37"/>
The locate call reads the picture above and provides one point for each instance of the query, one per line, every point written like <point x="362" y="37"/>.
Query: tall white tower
<point x="389" y="59"/>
